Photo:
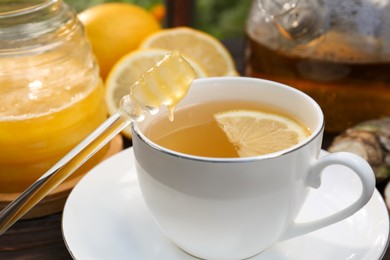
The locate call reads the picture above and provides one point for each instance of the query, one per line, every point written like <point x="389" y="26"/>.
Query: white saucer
<point x="105" y="218"/>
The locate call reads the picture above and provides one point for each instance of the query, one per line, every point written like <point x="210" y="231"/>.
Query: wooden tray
<point x="54" y="202"/>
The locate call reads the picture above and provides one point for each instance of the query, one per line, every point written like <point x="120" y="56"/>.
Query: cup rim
<point x="316" y="132"/>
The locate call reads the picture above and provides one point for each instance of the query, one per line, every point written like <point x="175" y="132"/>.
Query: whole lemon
<point x="114" y="29"/>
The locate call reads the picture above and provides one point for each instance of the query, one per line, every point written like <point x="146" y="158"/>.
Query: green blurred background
<point x="225" y="19"/>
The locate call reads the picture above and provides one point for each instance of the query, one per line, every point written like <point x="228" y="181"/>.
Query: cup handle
<point x="362" y="169"/>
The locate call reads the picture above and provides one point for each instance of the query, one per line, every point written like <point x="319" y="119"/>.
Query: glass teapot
<point x="338" y="52"/>
<point x="51" y="95"/>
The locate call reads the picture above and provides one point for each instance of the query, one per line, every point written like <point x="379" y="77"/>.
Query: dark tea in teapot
<point x="338" y="52"/>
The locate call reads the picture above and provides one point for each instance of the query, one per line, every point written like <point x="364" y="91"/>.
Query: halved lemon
<point x="201" y="47"/>
<point x="128" y="70"/>
<point x="115" y="29"/>
<point x="257" y="133"/>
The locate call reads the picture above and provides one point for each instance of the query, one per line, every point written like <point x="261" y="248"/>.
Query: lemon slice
<point x="201" y="47"/>
<point x="128" y="70"/>
<point x="255" y="133"/>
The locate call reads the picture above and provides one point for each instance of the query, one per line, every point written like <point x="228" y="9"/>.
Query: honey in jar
<point x="51" y="96"/>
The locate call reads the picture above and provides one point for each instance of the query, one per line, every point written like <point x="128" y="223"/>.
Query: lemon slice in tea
<point x="255" y="133"/>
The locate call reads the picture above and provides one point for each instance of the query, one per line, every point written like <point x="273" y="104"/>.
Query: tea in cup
<point x="217" y="197"/>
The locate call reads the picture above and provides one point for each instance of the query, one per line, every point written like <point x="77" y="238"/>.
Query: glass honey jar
<point x="51" y="96"/>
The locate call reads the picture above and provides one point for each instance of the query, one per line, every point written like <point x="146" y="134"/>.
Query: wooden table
<point x="41" y="238"/>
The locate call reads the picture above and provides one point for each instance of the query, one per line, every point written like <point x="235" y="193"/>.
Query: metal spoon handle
<point x="62" y="169"/>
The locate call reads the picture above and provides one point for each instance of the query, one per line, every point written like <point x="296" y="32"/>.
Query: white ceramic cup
<point x="233" y="208"/>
